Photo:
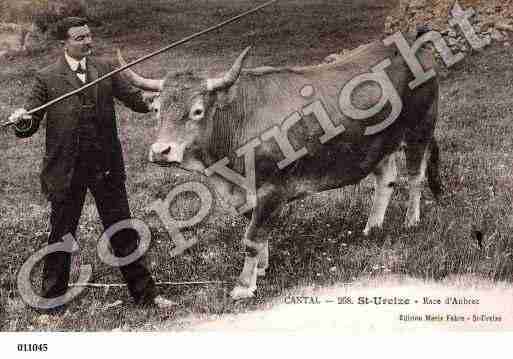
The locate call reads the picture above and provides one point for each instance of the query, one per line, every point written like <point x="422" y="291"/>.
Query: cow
<point x="287" y="130"/>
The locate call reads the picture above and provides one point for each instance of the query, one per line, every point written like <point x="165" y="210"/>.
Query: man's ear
<point x="226" y="96"/>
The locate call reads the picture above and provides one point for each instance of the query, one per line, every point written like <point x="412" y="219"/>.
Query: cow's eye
<point x="197" y="112"/>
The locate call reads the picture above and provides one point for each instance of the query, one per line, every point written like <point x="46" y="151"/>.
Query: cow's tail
<point x="433" y="170"/>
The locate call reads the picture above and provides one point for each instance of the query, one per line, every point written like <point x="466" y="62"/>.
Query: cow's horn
<point x="231" y="76"/>
<point x="138" y="80"/>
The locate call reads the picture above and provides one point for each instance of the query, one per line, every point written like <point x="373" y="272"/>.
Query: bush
<point x="21" y="11"/>
<point x="43" y="13"/>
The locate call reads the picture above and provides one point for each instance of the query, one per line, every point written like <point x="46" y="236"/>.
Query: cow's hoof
<point x="261" y="272"/>
<point x="368" y="231"/>
<point x="240" y="292"/>
<point x="412" y="223"/>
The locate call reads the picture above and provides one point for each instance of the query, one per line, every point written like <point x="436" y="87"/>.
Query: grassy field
<point x="318" y="240"/>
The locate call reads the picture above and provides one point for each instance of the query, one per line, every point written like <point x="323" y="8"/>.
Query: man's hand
<point x="23" y="120"/>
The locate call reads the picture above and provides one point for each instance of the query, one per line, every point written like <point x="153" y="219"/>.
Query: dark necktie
<point x="80" y="70"/>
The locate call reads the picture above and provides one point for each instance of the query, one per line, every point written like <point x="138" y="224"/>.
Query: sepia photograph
<point x="243" y="167"/>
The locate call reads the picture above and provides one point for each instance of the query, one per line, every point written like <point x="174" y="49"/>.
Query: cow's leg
<point x="417" y="156"/>
<point x="385" y="176"/>
<point x="246" y="284"/>
<point x="263" y="259"/>
<point x="421" y="156"/>
<point x="263" y="253"/>
<point x="255" y="243"/>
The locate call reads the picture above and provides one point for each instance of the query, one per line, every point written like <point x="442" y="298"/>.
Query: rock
<point x="452" y="42"/>
<point x="486" y="26"/>
<point x="497" y="35"/>
<point x="417" y="4"/>
<point x="504" y="27"/>
<point x="435" y="13"/>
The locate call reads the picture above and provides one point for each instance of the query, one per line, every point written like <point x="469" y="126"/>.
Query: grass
<point x="318" y="240"/>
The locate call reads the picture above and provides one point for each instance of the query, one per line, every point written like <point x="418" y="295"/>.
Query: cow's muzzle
<point x="166" y="153"/>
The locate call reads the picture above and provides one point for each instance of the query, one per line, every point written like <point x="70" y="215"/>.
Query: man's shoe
<point x="163" y="303"/>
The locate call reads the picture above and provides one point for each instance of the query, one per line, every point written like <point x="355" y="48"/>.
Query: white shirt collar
<point x="74" y="63"/>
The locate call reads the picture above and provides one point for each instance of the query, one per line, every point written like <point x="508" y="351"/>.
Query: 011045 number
<point x="32" y="347"/>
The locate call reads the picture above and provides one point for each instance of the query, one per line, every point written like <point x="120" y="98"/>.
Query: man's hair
<point x="61" y="32"/>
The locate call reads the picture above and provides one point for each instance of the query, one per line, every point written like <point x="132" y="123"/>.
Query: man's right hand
<point x="23" y="120"/>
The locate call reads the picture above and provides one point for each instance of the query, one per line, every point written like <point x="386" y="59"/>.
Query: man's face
<point x="79" y="42"/>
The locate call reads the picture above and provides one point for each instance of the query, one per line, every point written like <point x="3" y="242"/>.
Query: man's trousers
<point x="112" y="204"/>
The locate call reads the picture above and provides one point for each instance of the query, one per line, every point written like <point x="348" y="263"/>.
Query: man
<point x="83" y="152"/>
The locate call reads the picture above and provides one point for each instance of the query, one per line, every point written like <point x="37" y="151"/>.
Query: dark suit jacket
<point x="62" y="121"/>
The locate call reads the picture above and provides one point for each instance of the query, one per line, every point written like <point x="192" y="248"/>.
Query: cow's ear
<point x="152" y="100"/>
<point x="226" y="96"/>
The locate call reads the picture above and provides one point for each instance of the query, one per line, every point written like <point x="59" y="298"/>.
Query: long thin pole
<point x="144" y="58"/>
<point x="102" y="285"/>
